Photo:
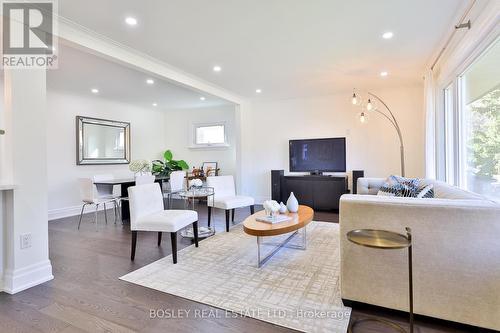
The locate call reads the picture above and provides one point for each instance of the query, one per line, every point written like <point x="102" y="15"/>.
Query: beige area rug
<point x="298" y="289"/>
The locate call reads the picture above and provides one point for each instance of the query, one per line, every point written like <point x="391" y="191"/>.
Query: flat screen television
<point x="318" y="155"/>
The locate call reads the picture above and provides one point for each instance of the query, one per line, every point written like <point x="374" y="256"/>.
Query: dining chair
<point x="105" y="191"/>
<point x="147" y="214"/>
<point x="176" y="184"/>
<point x="89" y="197"/>
<point x="225" y="197"/>
<point x="144" y="179"/>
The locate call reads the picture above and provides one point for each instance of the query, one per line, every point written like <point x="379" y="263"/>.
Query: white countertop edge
<point x="7" y="187"/>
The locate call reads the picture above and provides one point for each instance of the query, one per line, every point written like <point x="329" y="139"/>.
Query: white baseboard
<point x="59" y="213"/>
<point x="21" y="279"/>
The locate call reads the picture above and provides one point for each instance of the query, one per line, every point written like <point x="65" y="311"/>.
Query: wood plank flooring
<point x="86" y="295"/>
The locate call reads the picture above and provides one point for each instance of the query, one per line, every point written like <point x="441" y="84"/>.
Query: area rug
<point x="297" y="289"/>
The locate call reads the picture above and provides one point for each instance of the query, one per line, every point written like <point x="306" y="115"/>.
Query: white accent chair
<point x="176" y="184"/>
<point x="225" y="197"/>
<point x="89" y="197"/>
<point x="147" y="213"/>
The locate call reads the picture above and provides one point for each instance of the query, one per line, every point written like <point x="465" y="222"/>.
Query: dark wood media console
<point x="318" y="192"/>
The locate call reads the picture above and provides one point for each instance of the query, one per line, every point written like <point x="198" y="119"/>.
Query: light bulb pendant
<point x="369" y="105"/>
<point x="354" y="99"/>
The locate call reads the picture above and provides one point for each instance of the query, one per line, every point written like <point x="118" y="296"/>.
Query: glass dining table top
<point x="197" y="192"/>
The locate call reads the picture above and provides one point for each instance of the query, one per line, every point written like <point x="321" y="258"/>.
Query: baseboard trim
<point x="24" y="278"/>
<point x="59" y="213"/>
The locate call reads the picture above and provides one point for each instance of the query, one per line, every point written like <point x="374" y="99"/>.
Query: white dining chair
<point x="144" y="179"/>
<point x="105" y="191"/>
<point x="225" y="197"/>
<point x="89" y="197"/>
<point x="176" y="184"/>
<point x="147" y="214"/>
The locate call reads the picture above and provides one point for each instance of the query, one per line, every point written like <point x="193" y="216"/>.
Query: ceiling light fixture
<point x="384" y="73"/>
<point x="258" y="91"/>
<point x="202" y="98"/>
<point x="217" y="68"/>
<point x="155" y="104"/>
<point x="387" y="35"/>
<point x="150" y="81"/>
<point x="131" y="21"/>
<point x="94" y="90"/>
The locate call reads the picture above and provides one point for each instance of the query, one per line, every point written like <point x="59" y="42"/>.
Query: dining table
<point x="124" y="184"/>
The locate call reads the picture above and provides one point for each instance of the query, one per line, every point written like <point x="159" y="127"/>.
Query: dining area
<point x="162" y="195"/>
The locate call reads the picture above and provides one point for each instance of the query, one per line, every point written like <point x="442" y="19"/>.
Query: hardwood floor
<point x="86" y="295"/>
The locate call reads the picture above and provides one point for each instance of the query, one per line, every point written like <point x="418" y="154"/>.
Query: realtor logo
<point x="28" y="38"/>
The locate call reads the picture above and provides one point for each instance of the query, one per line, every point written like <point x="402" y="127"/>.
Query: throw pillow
<point x="426" y="192"/>
<point x="396" y="186"/>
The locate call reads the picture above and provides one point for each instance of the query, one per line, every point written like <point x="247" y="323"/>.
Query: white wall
<point x="179" y="126"/>
<point x="373" y="147"/>
<point x="147" y="138"/>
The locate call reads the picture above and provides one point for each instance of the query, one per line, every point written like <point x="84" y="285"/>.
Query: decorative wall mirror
<point x="100" y="141"/>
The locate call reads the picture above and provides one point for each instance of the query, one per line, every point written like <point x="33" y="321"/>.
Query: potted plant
<point x="165" y="167"/>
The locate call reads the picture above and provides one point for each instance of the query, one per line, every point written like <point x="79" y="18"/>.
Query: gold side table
<point x="388" y="240"/>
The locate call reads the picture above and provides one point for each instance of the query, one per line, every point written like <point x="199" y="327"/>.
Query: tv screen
<point x="318" y="155"/>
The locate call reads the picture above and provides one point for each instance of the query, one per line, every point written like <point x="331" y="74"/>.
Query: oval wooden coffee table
<point x="295" y="226"/>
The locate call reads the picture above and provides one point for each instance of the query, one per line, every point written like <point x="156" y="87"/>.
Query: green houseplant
<point x="165" y="167"/>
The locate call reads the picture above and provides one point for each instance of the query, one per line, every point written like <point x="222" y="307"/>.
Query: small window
<point x="209" y="135"/>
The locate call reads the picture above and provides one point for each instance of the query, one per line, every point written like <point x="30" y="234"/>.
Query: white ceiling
<point x="78" y="72"/>
<point x="288" y="48"/>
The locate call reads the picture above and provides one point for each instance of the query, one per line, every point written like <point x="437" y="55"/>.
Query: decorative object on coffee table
<point x="271" y="207"/>
<point x="295" y="226"/>
<point x="283" y="208"/>
<point x="382" y="239"/>
<point x="292" y="204"/>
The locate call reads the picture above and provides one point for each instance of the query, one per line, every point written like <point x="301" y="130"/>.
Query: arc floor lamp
<point x="370" y="107"/>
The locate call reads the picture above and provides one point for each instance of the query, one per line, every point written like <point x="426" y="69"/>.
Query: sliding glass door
<point x="478" y="126"/>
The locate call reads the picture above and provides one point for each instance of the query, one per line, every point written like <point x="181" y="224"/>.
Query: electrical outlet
<point x="25" y="241"/>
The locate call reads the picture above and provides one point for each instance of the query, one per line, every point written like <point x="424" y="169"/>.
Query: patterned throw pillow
<point x="426" y="191"/>
<point x="396" y="186"/>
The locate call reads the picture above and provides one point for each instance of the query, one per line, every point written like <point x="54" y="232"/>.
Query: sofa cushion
<point x="443" y="190"/>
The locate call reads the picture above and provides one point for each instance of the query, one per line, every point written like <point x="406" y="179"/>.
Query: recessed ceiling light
<point x="387" y="35"/>
<point x="217" y="68"/>
<point x="150" y="81"/>
<point x="131" y="20"/>
<point x="202" y="98"/>
<point x="258" y="91"/>
<point x="384" y="73"/>
<point x="155" y="104"/>
<point x="94" y="90"/>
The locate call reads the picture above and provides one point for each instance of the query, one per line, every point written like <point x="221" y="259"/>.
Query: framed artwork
<point x="209" y="168"/>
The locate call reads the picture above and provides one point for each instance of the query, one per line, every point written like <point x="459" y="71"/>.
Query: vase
<point x="292" y="204"/>
<point x="283" y="208"/>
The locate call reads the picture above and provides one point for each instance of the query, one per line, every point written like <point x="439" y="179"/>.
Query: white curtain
<point x="430" y="125"/>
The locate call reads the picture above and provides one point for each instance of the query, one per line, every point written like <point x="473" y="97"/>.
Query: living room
<point x="279" y="145"/>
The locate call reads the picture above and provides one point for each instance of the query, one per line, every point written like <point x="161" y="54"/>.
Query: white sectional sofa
<point x="456" y="253"/>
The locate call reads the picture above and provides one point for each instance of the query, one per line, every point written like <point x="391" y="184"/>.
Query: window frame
<point x="447" y="166"/>
<point x="192" y="140"/>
